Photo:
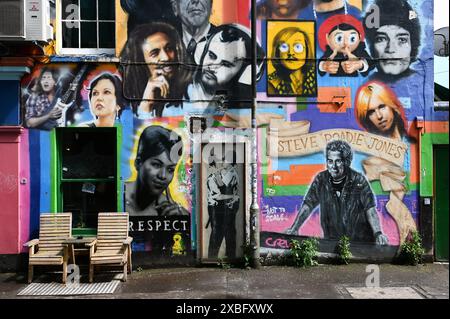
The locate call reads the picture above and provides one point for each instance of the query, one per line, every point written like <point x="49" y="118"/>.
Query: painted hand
<point x="381" y="240"/>
<point x="330" y="66"/>
<point x="291" y="231"/>
<point x="56" y="113"/>
<point x="353" y="64"/>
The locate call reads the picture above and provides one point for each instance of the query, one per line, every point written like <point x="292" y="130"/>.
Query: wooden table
<point x="78" y="245"/>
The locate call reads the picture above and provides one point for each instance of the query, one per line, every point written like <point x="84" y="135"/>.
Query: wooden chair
<point x="54" y="229"/>
<point x="112" y="246"/>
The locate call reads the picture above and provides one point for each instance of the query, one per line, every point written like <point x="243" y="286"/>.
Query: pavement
<point x="354" y="281"/>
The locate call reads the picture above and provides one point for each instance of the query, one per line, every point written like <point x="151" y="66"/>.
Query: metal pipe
<point x="254" y="208"/>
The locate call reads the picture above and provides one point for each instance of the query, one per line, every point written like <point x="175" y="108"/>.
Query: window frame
<point x="58" y="180"/>
<point x="82" y="51"/>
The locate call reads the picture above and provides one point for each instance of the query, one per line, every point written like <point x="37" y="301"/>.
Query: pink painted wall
<point x="14" y="213"/>
<point x="24" y="196"/>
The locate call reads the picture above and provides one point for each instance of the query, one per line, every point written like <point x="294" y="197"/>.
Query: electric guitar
<point x="65" y="102"/>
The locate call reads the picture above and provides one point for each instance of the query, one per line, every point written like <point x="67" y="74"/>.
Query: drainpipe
<point x="254" y="208"/>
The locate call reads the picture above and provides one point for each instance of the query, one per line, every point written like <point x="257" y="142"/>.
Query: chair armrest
<point x="128" y="241"/>
<point x="92" y="243"/>
<point x="32" y="243"/>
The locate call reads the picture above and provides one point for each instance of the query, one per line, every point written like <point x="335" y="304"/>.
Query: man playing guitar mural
<point x="46" y="107"/>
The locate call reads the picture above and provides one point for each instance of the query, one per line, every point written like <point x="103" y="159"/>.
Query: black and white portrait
<point x="223" y="205"/>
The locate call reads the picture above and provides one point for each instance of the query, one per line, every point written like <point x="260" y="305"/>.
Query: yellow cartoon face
<point x="293" y="51"/>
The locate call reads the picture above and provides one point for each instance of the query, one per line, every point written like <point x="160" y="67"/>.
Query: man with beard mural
<point x="346" y="201"/>
<point x="153" y="73"/>
<point x="292" y="58"/>
<point x="226" y="66"/>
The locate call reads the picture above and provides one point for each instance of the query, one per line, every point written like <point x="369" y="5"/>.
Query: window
<point x="86" y="26"/>
<point x="86" y="175"/>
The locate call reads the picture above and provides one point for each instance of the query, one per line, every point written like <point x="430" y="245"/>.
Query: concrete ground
<point x="429" y="281"/>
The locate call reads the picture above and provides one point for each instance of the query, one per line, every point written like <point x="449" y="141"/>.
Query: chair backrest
<point x="54" y="228"/>
<point x="112" y="231"/>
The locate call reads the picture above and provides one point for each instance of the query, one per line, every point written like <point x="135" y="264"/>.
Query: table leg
<point x="72" y="253"/>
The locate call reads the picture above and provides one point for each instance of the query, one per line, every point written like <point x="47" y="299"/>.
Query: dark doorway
<point x="441" y="203"/>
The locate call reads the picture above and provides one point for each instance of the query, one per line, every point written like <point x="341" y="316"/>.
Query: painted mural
<point x="223" y="204"/>
<point x="340" y="85"/>
<point x="345" y="162"/>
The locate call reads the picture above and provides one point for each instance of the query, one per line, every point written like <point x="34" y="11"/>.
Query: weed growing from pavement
<point x="343" y="250"/>
<point x="304" y="253"/>
<point x="412" y="250"/>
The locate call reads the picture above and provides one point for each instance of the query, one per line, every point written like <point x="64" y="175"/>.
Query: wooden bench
<point x="113" y="245"/>
<point x="54" y="229"/>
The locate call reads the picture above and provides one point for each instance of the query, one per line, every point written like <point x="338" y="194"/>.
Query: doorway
<point x="441" y="208"/>
<point x="223" y="201"/>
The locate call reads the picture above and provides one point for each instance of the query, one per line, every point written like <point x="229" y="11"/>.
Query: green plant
<point x="412" y="250"/>
<point x="223" y="264"/>
<point x="304" y="253"/>
<point x="343" y="250"/>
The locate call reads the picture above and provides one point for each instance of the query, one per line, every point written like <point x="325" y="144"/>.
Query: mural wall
<point x="177" y="59"/>
<point x="344" y="161"/>
<point x="340" y="85"/>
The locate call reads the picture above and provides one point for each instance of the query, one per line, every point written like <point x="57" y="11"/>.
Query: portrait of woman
<point x="106" y="101"/>
<point x="153" y="71"/>
<point x="379" y="111"/>
<point x="158" y="153"/>
<point x="292" y="57"/>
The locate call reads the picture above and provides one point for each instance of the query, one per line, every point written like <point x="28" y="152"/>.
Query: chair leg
<point x="125" y="266"/>
<point x="91" y="273"/>
<point x="64" y="278"/>
<point x="130" y="266"/>
<point x="30" y="273"/>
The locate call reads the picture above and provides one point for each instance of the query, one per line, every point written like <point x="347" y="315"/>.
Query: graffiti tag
<point x="8" y="183"/>
<point x="277" y="243"/>
<point x="274" y="214"/>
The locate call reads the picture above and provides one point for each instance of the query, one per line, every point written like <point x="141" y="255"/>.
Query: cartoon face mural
<point x="292" y="71"/>
<point x="342" y="39"/>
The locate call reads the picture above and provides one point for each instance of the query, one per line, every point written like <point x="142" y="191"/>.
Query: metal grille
<point x="58" y="289"/>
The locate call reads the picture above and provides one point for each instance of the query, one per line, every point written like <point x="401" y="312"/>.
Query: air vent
<point x="12" y="19"/>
